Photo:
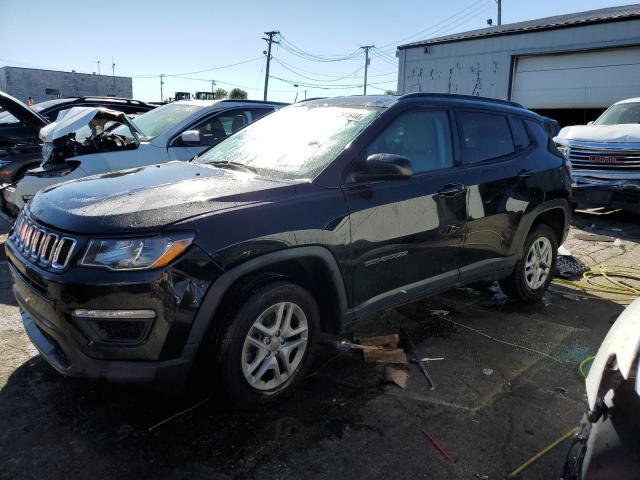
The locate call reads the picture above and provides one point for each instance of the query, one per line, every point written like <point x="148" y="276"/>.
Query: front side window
<point x="484" y="136"/>
<point x="217" y="128"/>
<point x="622" y="113"/>
<point x="294" y="142"/>
<point x="424" y="137"/>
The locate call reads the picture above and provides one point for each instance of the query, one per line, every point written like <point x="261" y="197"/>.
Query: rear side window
<point x="520" y="133"/>
<point x="484" y="136"/>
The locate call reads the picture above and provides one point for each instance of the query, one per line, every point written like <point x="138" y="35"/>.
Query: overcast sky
<point x="148" y="37"/>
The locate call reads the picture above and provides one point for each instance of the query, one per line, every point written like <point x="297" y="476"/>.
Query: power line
<point x="299" y="52"/>
<point x="234" y="84"/>
<point x="336" y="79"/>
<point x="431" y="27"/>
<point x="154" y="75"/>
<point x="473" y="12"/>
<point x="325" y="87"/>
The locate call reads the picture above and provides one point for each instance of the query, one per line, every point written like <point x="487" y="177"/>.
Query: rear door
<point x="499" y="157"/>
<point x="407" y="234"/>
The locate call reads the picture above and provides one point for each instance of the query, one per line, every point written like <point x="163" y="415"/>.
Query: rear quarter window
<point x="484" y="136"/>
<point x="520" y="133"/>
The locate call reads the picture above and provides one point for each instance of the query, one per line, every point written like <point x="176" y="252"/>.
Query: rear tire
<point x="268" y="343"/>
<point x="535" y="267"/>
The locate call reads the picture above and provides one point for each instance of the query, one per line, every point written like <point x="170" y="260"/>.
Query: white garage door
<point x="577" y="80"/>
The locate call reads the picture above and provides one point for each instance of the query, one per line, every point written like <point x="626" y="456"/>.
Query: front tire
<point x="535" y="267"/>
<point x="269" y="343"/>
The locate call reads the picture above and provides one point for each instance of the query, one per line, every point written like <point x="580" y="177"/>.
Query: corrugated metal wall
<point x="483" y="66"/>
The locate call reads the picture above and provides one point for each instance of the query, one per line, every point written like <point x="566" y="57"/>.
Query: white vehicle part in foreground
<point x="623" y="133"/>
<point x="621" y="346"/>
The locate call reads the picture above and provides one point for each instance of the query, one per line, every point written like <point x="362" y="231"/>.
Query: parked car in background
<point x="20" y="147"/>
<point x="605" y="156"/>
<point x="87" y="141"/>
<point x="608" y="442"/>
<point x="302" y="222"/>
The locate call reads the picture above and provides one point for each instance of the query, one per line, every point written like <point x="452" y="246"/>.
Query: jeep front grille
<point x="605" y="158"/>
<point x="40" y="245"/>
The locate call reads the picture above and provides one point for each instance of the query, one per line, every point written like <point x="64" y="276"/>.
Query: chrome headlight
<point x="140" y="253"/>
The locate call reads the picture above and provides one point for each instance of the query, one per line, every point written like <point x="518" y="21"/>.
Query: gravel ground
<point x="344" y="422"/>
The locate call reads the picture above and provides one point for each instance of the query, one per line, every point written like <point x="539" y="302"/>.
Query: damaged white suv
<point x="605" y="156"/>
<point x="87" y="141"/>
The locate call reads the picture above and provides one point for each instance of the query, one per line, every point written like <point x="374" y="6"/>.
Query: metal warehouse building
<point x="569" y="67"/>
<point x="42" y="85"/>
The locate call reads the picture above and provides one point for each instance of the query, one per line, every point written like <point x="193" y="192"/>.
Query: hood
<point x="22" y="111"/>
<point x="623" y="133"/>
<point x="149" y="198"/>
<point x="622" y="343"/>
<point x="77" y="117"/>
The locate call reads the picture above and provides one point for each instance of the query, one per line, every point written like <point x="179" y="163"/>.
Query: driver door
<point x="407" y="235"/>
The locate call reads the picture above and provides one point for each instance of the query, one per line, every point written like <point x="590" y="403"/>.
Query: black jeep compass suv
<point x="298" y="224"/>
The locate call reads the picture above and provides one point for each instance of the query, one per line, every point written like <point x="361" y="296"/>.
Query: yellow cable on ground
<point x="542" y="452"/>
<point x="605" y="282"/>
<point x="583" y="363"/>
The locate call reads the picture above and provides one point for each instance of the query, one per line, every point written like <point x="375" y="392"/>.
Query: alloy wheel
<point x="538" y="263"/>
<point x="275" y="346"/>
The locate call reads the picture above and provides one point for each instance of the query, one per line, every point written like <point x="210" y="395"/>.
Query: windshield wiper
<point x="234" y="166"/>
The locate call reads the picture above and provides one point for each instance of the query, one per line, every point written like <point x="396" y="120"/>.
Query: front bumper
<point x="56" y="349"/>
<point x="47" y="301"/>
<point x="609" y="449"/>
<point x="618" y="194"/>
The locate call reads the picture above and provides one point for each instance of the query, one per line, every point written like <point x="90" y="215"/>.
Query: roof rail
<point x="105" y="97"/>
<point x="461" y="97"/>
<point x="268" y="102"/>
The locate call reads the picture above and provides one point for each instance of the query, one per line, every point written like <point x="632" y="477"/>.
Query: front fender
<point x="206" y="316"/>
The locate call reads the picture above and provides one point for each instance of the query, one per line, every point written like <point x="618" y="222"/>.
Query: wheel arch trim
<point x="217" y="291"/>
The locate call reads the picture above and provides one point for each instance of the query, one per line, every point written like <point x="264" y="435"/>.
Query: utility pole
<point x="113" y="74"/>
<point x="269" y="41"/>
<point x="499" y="2"/>
<point x="213" y="84"/>
<point x="366" y="65"/>
<point x="98" y="62"/>
<point x="161" y="83"/>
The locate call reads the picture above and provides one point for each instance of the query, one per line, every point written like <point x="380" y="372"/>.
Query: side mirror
<point x="385" y="166"/>
<point x="190" y="137"/>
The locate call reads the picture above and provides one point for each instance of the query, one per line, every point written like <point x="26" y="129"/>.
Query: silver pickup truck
<point x="605" y="157"/>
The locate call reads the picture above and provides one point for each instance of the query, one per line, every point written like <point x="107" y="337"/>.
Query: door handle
<point x="525" y="173"/>
<point x="451" y="189"/>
